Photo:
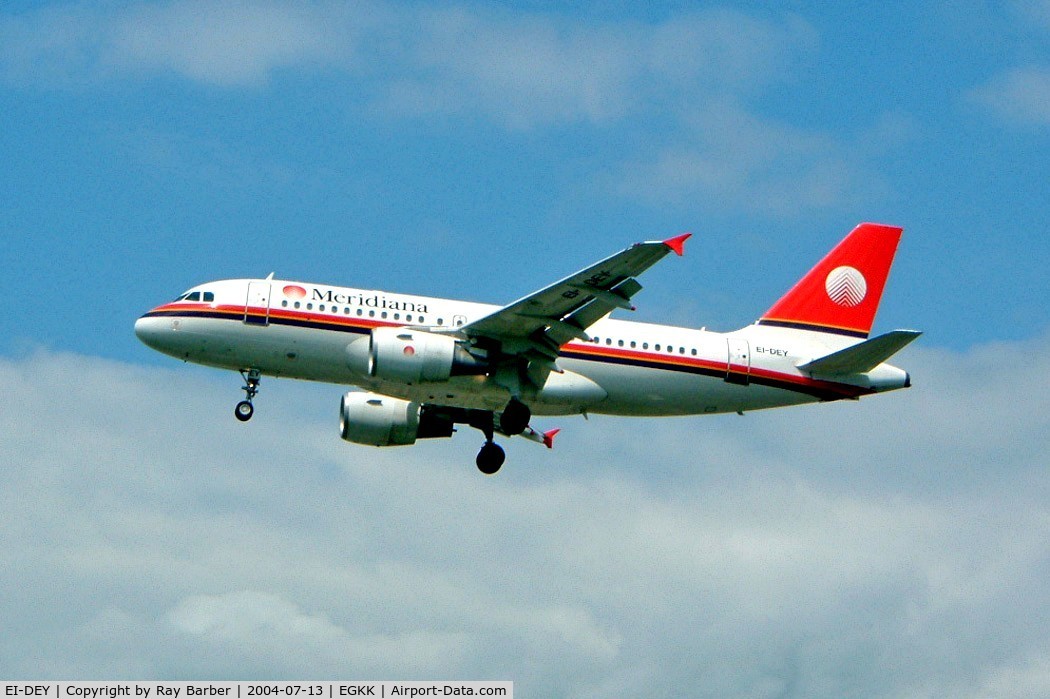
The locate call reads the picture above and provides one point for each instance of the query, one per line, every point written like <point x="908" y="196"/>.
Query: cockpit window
<point x="205" y="296"/>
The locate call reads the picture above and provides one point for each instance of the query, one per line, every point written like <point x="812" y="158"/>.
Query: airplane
<point x="423" y="365"/>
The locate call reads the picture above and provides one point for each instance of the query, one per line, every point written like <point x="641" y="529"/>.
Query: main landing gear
<point x="245" y="409"/>
<point x="490" y="458"/>
<point x="513" y="420"/>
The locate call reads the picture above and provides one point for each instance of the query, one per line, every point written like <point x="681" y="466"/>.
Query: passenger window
<point x="645" y="345"/>
<point x="309" y="307"/>
<point x="441" y="321"/>
<point x="693" y="351"/>
<point x="633" y="344"/>
<point x="383" y="315"/>
<point x="608" y="341"/>
<point x="620" y="343"/>
<point x="321" y="308"/>
<point x="297" y="304"/>
<point x="397" y="316"/>
<point x="284" y="303"/>
<point x="371" y="314"/>
<point x="657" y="348"/>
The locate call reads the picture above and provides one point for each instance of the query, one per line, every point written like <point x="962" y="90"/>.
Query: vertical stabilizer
<point x="842" y="292"/>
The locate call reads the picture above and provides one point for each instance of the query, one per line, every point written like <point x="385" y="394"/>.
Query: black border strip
<point x="814" y="327"/>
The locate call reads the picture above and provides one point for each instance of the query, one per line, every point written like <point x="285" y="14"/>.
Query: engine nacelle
<point x="381" y="421"/>
<point x="410" y="356"/>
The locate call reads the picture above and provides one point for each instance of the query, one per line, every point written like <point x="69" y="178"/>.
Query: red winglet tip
<point x="677" y="243"/>
<point x="548" y="437"/>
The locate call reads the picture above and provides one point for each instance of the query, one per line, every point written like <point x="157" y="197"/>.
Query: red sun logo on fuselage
<point x="294" y="292"/>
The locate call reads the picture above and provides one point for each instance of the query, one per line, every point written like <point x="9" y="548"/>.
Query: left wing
<point x="536" y="326"/>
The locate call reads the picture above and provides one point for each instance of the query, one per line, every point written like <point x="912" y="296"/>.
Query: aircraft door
<point x="738" y="368"/>
<point x="257" y="306"/>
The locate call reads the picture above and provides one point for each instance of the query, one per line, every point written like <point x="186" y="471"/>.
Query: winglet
<point x="677" y="243"/>
<point x="548" y="437"/>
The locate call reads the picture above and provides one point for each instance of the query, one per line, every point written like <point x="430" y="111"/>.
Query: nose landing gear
<point x="244" y="410"/>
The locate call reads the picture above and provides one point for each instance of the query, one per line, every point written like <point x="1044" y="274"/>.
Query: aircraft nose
<point x="150" y="331"/>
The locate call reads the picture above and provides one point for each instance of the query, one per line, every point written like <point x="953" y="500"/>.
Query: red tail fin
<point x="842" y="292"/>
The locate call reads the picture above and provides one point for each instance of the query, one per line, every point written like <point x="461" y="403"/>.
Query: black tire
<point x="244" y="411"/>
<point x="490" y="458"/>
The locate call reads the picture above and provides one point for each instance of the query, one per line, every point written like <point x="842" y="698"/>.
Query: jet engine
<point x="381" y="421"/>
<point x="411" y="356"/>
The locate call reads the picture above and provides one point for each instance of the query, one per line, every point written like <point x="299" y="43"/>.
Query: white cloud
<point x="245" y="616"/>
<point x="521" y="69"/>
<point x="228" y="43"/>
<point x="147" y="533"/>
<point x="1037" y="11"/>
<point x="529" y="70"/>
<point x="248" y="626"/>
<point x="1020" y="95"/>
<point x="53" y="44"/>
<point x="1021" y="680"/>
<point x="677" y="91"/>
<point x="727" y="154"/>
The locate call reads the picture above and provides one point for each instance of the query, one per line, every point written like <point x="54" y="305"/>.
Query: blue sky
<point x="474" y="151"/>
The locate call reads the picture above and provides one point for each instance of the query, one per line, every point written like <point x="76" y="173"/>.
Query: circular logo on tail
<point x="846" y="286"/>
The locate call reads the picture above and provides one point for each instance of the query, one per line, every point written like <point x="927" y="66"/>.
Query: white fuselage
<point x="303" y="331"/>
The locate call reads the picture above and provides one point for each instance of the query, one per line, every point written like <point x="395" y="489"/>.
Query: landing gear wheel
<point x="490" y="458"/>
<point x="514" y="418"/>
<point x="244" y="411"/>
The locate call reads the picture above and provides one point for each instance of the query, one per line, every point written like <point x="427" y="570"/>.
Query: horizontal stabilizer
<point x="862" y="357"/>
